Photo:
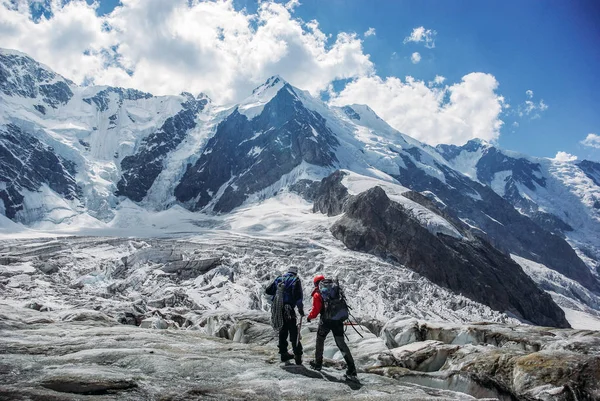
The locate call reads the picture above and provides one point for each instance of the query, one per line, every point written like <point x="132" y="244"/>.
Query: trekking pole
<point x="357" y="332"/>
<point x="349" y="314"/>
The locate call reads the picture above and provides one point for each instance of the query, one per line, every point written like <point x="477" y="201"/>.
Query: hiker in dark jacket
<point x="292" y="297"/>
<point x="325" y="326"/>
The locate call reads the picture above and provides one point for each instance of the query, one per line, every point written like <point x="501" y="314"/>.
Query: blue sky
<point x="551" y="48"/>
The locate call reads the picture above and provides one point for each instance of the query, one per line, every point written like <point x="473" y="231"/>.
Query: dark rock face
<point x="493" y="161"/>
<point x="506" y="228"/>
<point x="332" y="196"/>
<point x="350" y="112"/>
<point x="307" y="189"/>
<point x="141" y="169"/>
<point x="246" y="156"/>
<point x="26" y="163"/>
<point x="592" y="170"/>
<point x="373" y="223"/>
<point x="102" y="98"/>
<point x="550" y="223"/>
<point x="23" y="76"/>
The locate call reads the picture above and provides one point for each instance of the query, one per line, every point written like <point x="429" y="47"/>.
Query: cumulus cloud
<point x="165" y="47"/>
<point x="591" y="141"/>
<point x="420" y="34"/>
<point x="529" y="93"/>
<point x="438" y="80"/>
<point x="451" y="114"/>
<point x="415" y="58"/>
<point x="370" y="32"/>
<point x="565" y="157"/>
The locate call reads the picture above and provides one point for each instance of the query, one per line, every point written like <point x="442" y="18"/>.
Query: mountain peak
<point x="274" y="82"/>
<point x="261" y="95"/>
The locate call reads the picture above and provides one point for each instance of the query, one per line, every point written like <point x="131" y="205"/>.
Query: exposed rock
<point x="141" y="169"/>
<point x="102" y="98"/>
<point x="20" y="75"/>
<point x="591" y="169"/>
<point x="246" y="156"/>
<point x="26" y="165"/>
<point x="307" y="189"/>
<point x="332" y="195"/>
<point x="505" y="228"/>
<point x="375" y="224"/>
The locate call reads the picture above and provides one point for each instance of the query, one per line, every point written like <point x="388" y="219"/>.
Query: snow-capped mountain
<point x="562" y="197"/>
<point x="93" y="156"/>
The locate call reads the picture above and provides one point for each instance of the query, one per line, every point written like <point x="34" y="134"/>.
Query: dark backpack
<point x="334" y="302"/>
<point x="289" y="282"/>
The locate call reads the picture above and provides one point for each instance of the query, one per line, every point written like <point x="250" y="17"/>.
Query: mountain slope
<point x="562" y="197"/>
<point x="115" y="151"/>
<point x="390" y="226"/>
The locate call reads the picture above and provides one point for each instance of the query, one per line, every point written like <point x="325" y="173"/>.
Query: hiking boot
<point x="286" y="357"/>
<point x="315" y="365"/>
<point x="298" y="359"/>
<point x="351" y="378"/>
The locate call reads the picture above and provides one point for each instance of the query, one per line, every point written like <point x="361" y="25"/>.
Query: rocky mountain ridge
<point x="102" y="151"/>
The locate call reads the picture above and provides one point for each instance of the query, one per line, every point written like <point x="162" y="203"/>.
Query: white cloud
<point x="292" y="4"/>
<point x="420" y="34"/>
<point x="531" y="108"/>
<point x="370" y="32"/>
<point x="438" y="80"/>
<point x="452" y="114"/>
<point x="415" y="58"/>
<point x="591" y="141"/>
<point x="565" y="157"/>
<point x="165" y="47"/>
<point x="515" y="124"/>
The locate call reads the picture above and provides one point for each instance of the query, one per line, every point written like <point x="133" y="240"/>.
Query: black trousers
<point x="290" y="328"/>
<point x="325" y="326"/>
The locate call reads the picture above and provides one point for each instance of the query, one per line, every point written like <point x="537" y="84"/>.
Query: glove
<point x="308" y="319"/>
<point x="301" y="311"/>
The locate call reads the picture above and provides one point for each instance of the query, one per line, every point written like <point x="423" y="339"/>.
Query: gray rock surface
<point x="27" y="164"/>
<point x="373" y="223"/>
<point x="246" y="156"/>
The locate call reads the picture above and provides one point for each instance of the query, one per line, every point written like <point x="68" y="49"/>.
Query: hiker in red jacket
<point x="325" y="326"/>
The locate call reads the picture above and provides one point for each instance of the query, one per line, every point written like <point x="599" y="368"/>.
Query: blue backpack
<point x="289" y="281"/>
<point x="334" y="303"/>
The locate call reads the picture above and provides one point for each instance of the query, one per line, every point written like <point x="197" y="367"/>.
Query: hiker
<point x="287" y="294"/>
<point x="329" y="302"/>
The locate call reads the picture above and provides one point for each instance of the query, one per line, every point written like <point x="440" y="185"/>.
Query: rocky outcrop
<point x="332" y="195"/>
<point x="27" y="164"/>
<point x="246" y="155"/>
<point x="22" y="76"/>
<point x="373" y="223"/>
<point x="500" y="223"/>
<point x="102" y="98"/>
<point x="522" y="362"/>
<point x="141" y="169"/>
<point x="592" y="170"/>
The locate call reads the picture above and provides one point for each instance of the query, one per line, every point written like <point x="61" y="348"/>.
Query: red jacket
<point x="317" y="304"/>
